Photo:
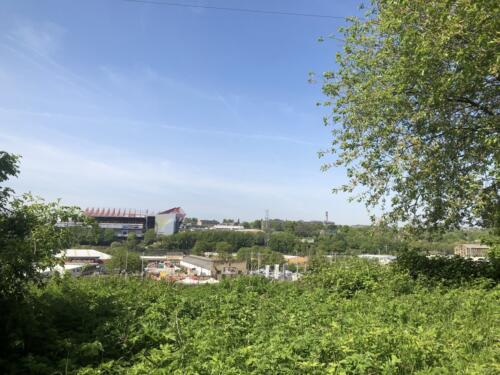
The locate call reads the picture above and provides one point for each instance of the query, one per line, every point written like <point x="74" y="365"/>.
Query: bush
<point x="445" y="269"/>
<point x="350" y="317"/>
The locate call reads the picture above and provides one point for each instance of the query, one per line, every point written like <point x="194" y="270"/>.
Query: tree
<point x="9" y="167"/>
<point x="202" y="246"/>
<point x="282" y="242"/>
<point x="123" y="260"/>
<point x="132" y="241"/>
<point x="30" y="233"/>
<point x="107" y="236"/>
<point x="259" y="254"/>
<point x="256" y="224"/>
<point x="326" y="245"/>
<point x="84" y="235"/>
<point x="149" y="236"/>
<point x="416" y="103"/>
<point x="223" y="249"/>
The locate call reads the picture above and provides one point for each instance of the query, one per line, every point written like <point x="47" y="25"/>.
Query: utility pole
<point x="267" y="227"/>
<point x="126" y="263"/>
<point x="142" y="267"/>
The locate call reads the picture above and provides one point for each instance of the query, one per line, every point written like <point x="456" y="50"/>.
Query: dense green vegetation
<point x="350" y="317"/>
<point x="187" y="240"/>
<point x="338" y="239"/>
<point x="334" y="239"/>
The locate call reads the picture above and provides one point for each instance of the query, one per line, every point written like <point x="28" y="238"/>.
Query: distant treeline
<point x="336" y="239"/>
<point x="296" y="237"/>
<point x="188" y="240"/>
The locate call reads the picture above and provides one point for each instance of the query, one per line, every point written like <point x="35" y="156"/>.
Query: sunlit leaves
<point x="347" y="317"/>
<point x="415" y="102"/>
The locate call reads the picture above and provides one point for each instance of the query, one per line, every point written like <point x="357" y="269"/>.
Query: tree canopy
<point x="30" y="234"/>
<point x="415" y="102"/>
<point x="282" y="242"/>
<point x="124" y="260"/>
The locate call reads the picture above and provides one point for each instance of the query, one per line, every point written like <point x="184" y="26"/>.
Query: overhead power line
<point x="241" y="10"/>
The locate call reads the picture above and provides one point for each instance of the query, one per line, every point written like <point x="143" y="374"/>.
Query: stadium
<point x="125" y="221"/>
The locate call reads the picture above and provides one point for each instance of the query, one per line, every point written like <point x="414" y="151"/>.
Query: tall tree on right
<point x="415" y="100"/>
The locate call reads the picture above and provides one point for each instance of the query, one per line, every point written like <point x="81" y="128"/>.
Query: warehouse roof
<point x="83" y="253"/>
<point x="198" y="261"/>
<point x="474" y="245"/>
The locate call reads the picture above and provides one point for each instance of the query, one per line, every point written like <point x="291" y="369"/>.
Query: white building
<point x="83" y="256"/>
<point x="381" y="258"/>
<point x="228" y="227"/>
<point x="200" y="266"/>
<point x="71" y="269"/>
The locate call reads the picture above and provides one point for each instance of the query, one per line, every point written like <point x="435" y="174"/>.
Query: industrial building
<point x="83" y="256"/>
<point x="216" y="268"/>
<point x="381" y="258"/>
<point x="123" y="221"/>
<point x="472" y="250"/>
<point x="78" y="262"/>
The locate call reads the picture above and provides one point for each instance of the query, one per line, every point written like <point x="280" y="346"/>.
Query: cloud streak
<point x="190" y="130"/>
<point x="38" y="45"/>
<point x="75" y="166"/>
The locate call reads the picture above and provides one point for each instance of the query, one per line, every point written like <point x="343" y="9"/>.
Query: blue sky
<point x="132" y="105"/>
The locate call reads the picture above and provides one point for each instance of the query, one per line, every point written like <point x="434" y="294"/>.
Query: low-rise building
<point x="473" y="250"/>
<point x="296" y="259"/>
<point x="227" y="227"/>
<point x="83" y="256"/>
<point x="217" y="268"/>
<point x="206" y="223"/>
<point x="78" y="262"/>
<point x="74" y="270"/>
<point x="381" y="258"/>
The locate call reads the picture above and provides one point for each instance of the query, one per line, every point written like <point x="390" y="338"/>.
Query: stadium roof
<point x="128" y="212"/>
<point x="176" y="210"/>
<point x="114" y="212"/>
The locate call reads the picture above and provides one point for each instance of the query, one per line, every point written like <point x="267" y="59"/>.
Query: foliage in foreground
<point x="448" y="270"/>
<point x="348" y="318"/>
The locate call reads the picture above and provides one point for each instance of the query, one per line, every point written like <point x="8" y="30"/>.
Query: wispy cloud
<point x="39" y="44"/>
<point x="224" y="133"/>
<point x="183" y="129"/>
<point x="44" y="40"/>
<point x="76" y="166"/>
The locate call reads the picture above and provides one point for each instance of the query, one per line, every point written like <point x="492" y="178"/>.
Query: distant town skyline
<point x="133" y="105"/>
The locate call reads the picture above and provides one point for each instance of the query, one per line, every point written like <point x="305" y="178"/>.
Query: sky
<point x="113" y="103"/>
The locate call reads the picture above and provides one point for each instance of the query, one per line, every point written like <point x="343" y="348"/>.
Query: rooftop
<point x="83" y="253"/>
<point x="198" y="261"/>
<point x="475" y="245"/>
<point x="129" y="212"/>
<point x="116" y="212"/>
<point x="174" y="210"/>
